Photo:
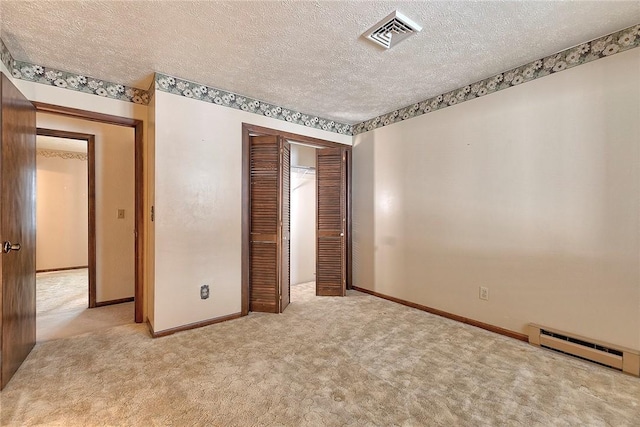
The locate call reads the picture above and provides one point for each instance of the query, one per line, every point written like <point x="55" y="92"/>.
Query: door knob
<point x="8" y="247"/>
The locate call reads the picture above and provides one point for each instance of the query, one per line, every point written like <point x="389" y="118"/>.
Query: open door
<point x="17" y="229"/>
<point x="269" y="224"/>
<point x="331" y="272"/>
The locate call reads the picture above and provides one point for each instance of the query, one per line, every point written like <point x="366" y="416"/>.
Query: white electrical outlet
<point x="484" y="293"/>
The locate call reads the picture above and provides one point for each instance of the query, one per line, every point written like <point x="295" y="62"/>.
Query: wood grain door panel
<point x="17" y="224"/>
<point x="331" y="222"/>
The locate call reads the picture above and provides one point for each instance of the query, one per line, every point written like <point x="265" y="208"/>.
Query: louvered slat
<point x="263" y="276"/>
<point x="264" y="185"/>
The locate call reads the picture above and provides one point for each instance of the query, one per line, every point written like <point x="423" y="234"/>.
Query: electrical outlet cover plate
<point x="204" y="291"/>
<point x="484" y="293"/>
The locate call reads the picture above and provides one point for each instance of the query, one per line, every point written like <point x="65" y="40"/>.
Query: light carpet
<point x="326" y="361"/>
<point x="62" y="298"/>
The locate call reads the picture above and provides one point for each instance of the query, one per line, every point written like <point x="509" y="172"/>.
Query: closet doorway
<point x="303" y="216"/>
<point x="266" y="218"/>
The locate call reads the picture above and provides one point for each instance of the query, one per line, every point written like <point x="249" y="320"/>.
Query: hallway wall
<point x="61" y="212"/>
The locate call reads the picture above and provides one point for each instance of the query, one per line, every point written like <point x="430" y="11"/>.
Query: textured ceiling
<point x="306" y="56"/>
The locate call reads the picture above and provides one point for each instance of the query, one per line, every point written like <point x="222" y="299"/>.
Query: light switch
<point x="120" y="213"/>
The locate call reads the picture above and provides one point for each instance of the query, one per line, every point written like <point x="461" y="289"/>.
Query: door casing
<point x="249" y="130"/>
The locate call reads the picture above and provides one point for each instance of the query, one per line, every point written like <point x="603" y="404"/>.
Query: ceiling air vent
<point x="392" y="30"/>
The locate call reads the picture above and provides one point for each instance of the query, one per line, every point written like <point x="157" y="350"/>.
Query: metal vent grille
<point x="392" y="30"/>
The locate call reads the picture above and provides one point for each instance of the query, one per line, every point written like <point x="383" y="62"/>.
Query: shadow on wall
<point x="363" y="221"/>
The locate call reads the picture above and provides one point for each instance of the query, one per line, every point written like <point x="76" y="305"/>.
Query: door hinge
<point x="153" y="213"/>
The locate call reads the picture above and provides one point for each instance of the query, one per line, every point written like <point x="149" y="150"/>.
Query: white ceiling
<point x="61" y="144"/>
<point x="306" y="56"/>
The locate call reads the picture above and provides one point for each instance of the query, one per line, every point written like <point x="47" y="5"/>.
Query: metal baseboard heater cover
<point x="621" y="358"/>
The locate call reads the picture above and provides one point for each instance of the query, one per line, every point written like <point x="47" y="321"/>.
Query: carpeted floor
<point x="358" y="360"/>
<point x="61" y="307"/>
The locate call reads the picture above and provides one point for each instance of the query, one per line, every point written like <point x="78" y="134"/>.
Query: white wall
<point x="532" y="191"/>
<point x="114" y="190"/>
<point x="61" y="213"/>
<point x="303" y="215"/>
<point x="198" y="163"/>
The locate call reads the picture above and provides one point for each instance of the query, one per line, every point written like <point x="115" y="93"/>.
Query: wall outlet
<point x="204" y="291"/>
<point x="484" y="293"/>
<point x="120" y="213"/>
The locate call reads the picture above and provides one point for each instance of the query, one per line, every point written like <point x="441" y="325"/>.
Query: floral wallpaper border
<point x="213" y="95"/>
<point x="602" y="47"/>
<point x="66" y="155"/>
<point x="78" y="82"/>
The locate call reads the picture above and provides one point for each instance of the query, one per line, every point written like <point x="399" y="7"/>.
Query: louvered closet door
<point x="331" y="222"/>
<point x="264" y="224"/>
<point x="285" y="250"/>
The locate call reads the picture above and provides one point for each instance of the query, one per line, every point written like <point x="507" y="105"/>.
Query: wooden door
<point x="17" y="229"/>
<point x="269" y="224"/>
<point x="331" y="222"/>
<point x="285" y="224"/>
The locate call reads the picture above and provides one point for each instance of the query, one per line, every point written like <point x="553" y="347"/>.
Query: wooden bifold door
<point x="269" y="223"/>
<point x="267" y="210"/>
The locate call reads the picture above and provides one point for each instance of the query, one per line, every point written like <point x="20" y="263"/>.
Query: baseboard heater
<point x="614" y="356"/>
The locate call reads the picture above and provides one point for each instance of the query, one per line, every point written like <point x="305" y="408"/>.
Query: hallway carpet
<point x="353" y="361"/>
<point x="61" y="306"/>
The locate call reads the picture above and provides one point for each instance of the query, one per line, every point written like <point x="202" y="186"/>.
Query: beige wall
<point x="114" y="190"/>
<point x="198" y="161"/>
<point x="532" y="192"/>
<point x="303" y="215"/>
<point x="61" y="213"/>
